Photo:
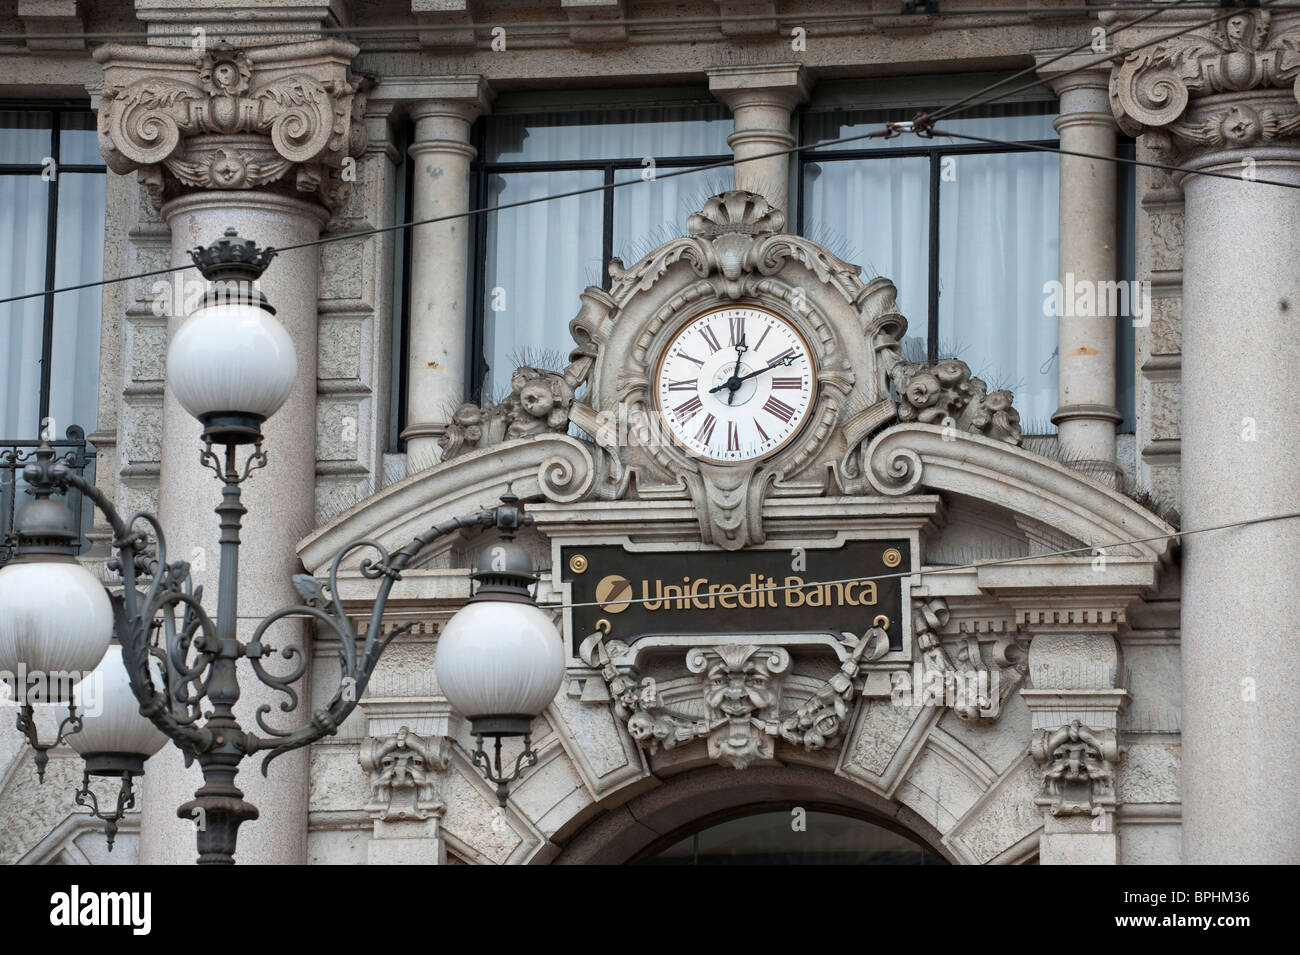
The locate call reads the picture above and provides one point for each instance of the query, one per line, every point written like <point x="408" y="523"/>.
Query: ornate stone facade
<point x="1081" y="716"/>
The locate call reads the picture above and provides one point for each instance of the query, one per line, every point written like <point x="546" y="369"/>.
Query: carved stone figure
<point x="820" y="721"/>
<point x="944" y="393"/>
<point x="402" y="770"/>
<point x="538" y="403"/>
<point x="740" y="699"/>
<point x="742" y="696"/>
<point x="1078" y="767"/>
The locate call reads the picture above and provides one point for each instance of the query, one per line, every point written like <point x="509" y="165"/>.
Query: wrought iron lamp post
<point x="232" y="365"/>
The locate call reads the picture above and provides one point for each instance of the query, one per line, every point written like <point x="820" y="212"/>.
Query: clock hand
<point x="740" y="350"/>
<point x="734" y="383"/>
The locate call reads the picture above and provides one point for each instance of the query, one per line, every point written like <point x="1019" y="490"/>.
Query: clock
<point x="735" y="384"/>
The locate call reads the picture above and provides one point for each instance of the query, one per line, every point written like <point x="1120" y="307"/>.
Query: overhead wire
<point x="920" y="125"/>
<point x="1095" y="551"/>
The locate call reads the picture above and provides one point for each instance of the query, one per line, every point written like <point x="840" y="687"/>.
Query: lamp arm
<point x="132" y="625"/>
<point x="324" y="605"/>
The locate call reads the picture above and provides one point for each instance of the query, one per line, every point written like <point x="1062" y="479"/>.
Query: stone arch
<point x="970" y="788"/>
<point x="712" y="793"/>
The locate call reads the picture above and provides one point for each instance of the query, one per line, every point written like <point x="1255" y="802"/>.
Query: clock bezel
<point x="691" y="320"/>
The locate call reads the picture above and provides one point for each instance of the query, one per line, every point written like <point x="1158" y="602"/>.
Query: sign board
<point x="631" y="594"/>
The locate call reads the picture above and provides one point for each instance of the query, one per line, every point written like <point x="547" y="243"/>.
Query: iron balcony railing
<point x="71" y="450"/>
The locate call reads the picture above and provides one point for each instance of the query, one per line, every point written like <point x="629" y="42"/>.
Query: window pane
<point x="538" y="258"/>
<point x="875" y="213"/>
<point x="608" y="134"/>
<point x="79" y="257"/>
<point x="24" y="136"/>
<point x="24" y="206"/>
<point x="648" y="214"/>
<point x="1011" y="122"/>
<point x="78" y="144"/>
<point x="997" y="250"/>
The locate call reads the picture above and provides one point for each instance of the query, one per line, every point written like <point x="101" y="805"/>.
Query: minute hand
<point x="784" y="362"/>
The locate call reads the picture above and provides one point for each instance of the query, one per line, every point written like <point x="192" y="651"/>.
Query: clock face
<point x="735" y="384"/>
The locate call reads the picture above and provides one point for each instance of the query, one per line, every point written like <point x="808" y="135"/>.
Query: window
<point x="52" y="202"/>
<point x="966" y="231"/>
<point x="531" y="261"/>
<point x="52" y="211"/>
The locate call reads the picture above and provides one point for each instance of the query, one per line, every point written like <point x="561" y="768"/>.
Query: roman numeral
<point x="761" y="431"/>
<point x="733" y="436"/>
<point x="780" y="359"/>
<point x="761" y="337"/>
<point x="796" y="383"/>
<point x="688" y="410"/>
<point x="779" y="409"/>
<point x="707" y="333"/>
<point x="684" y="385"/>
<point x="705" y="434"/>
<point x="689" y="358"/>
<point x="737" y="330"/>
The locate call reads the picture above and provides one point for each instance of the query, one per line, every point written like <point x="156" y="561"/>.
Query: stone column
<point x="761" y="100"/>
<point x="436" y="383"/>
<point x="1086" y="415"/>
<point x="266" y="149"/>
<point x="1229" y="106"/>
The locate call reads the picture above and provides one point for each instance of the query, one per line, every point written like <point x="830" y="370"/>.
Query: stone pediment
<point x="735" y="256"/>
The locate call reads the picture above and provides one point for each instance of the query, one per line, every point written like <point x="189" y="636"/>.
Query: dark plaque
<point x="634" y="594"/>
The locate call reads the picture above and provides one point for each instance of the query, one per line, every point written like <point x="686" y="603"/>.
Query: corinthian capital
<point x="289" y="118"/>
<point x="1228" y="86"/>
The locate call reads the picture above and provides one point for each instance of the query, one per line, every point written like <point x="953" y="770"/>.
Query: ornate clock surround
<point x="735" y="254"/>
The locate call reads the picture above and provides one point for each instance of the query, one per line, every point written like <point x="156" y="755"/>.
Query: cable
<point x="920" y="125"/>
<point x="1086" y="44"/>
<point x="1092" y="550"/>
<point x="1109" y="58"/>
<point x="1117" y="159"/>
<point x="791" y="18"/>
<point x="888" y="133"/>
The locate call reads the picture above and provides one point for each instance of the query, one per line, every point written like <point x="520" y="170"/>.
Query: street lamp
<point x="56" y="619"/>
<point x="499" y="661"/>
<point x="115" y="740"/>
<point x="232" y="366"/>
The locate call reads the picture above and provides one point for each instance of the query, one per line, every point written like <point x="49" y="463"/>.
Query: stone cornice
<point x="1230" y="86"/>
<point x="290" y="118"/>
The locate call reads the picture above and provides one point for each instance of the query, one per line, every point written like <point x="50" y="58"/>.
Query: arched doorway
<point x="790" y="835"/>
<point x="722" y="806"/>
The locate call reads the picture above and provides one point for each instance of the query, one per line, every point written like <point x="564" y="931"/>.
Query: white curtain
<point x="539" y="257"/>
<point x="997" y="241"/>
<point x="24" y="210"/>
<point x="875" y="214"/>
<point x="24" y="206"/>
<point x="79" y="257"/>
<point x="997" y="248"/>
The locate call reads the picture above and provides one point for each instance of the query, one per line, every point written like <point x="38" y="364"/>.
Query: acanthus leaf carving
<point x="1161" y="90"/>
<point x="225" y="130"/>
